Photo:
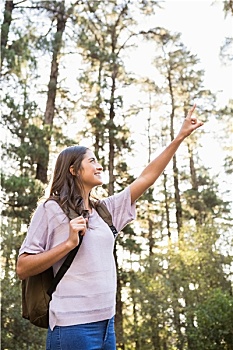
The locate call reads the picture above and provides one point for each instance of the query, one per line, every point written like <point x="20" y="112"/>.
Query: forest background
<point x="67" y="78"/>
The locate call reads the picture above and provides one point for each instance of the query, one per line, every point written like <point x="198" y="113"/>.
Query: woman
<point x="82" y="308"/>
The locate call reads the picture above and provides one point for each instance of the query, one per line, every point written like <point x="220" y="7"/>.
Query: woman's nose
<point x="99" y="167"/>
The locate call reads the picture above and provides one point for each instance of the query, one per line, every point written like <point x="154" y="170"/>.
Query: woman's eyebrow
<point x="92" y="158"/>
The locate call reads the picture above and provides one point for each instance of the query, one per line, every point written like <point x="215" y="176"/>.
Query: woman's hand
<point x="77" y="225"/>
<point x="156" y="166"/>
<point x="189" y="125"/>
<point x="32" y="264"/>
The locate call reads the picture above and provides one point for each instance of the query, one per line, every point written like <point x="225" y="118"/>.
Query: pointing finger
<point x="191" y="110"/>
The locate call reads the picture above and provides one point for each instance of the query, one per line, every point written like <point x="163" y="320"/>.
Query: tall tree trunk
<point x="168" y="223"/>
<point x="192" y="168"/>
<point x="111" y="134"/>
<point x="190" y="328"/>
<point x="135" y="323"/>
<point x="176" y="317"/>
<point x="177" y="195"/>
<point x="42" y="165"/>
<point x="155" y="338"/>
<point x="149" y="221"/>
<point x="199" y="217"/>
<point x="164" y="345"/>
<point x="150" y="233"/>
<point x="9" y="6"/>
<point x="119" y="304"/>
<point x="119" y="308"/>
<point x="100" y="114"/>
<point x="175" y="168"/>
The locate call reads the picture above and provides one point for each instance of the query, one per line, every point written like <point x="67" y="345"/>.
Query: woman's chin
<point x="99" y="182"/>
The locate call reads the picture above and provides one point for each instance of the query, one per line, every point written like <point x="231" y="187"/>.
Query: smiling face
<point x="91" y="171"/>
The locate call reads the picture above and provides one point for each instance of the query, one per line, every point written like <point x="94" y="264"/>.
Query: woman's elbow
<point x="20" y="267"/>
<point x="19" y="273"/>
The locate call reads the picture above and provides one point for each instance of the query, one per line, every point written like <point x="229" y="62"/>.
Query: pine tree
<point x="175" y="309"/>
<point x="104" y="38"/>
<point x="101" y="34"/>
<point x="5" y="27"/>
<point x="22" y="123"/>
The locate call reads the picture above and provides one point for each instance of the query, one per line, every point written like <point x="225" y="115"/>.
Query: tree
<point x="226" y="48"/>
<point x="23" y="126"/>
<point x="9" y="6"/>
<point x="170" y="290"/>
<point x="58" y="12"/>
<point x="170" y="268"/>
<point x="102" y="39"/>
<point x="165" y="280"/>
<point x="16" y="333"/>
<point x="213" y="329"/>
<point x="228" y="7"/>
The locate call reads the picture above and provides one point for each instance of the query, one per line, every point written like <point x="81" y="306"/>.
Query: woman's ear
<point x="72" y="170"/>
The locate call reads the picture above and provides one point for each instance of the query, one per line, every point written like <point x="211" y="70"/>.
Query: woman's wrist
<point x="69" y="245"/>
<point x="179" y="138"/>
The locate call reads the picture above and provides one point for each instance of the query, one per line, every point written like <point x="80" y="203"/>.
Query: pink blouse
<point x="87" y="292"/>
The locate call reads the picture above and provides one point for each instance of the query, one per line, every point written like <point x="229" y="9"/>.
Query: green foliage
<point x="181" y="286"/>
<point x="213" y="320"/>
<point x="19" y="53"/>
<point x="16" y="333"/>
<point x="175" y="289"/>
<point x="204" y="204"/>
<point x="228" y="9"/>
<point x="22" y="194"/>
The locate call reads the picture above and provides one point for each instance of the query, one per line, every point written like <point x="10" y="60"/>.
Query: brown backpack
<point x="37" y="290"/>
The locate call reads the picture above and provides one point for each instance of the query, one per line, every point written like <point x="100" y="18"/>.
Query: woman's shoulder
<point x="49" y="206"/>
<point x="120" y="207"/>
<point x="120" y="199"/>
<point x="119" y="196"/>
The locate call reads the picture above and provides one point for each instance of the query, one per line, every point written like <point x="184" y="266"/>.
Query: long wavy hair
<point x="66" y="189"/>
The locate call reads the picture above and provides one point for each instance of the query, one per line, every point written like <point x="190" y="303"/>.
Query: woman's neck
<point x="87" y="203"/>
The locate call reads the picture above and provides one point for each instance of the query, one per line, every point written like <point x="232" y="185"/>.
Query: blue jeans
<point x="91" y="336"/>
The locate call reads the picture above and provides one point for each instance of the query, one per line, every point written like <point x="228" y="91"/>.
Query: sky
<point x="203" y="29"/>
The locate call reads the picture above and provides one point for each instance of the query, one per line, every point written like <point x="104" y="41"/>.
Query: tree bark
<point x="168" y="223"/>
<point x="111" y="135"/>
<point x="42" y="165"/>
<point x="119" y="309"/>
<point x="9" y="6"/>
<point x="175" y="168"/>
<point x="119" y="303"/>
<point x="192" y="169"/>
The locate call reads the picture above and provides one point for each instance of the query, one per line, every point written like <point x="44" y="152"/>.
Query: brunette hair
<point x="65" y="188"/>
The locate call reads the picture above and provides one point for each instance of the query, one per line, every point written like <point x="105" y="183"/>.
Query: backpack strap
<point x="68" y="260"/>
<point x="64" y="267"/>
<point x="103" y="212"/>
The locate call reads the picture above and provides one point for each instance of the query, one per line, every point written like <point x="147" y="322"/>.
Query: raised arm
<point x="156" y="166"/>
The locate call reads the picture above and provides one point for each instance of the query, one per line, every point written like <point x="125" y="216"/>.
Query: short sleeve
<point x="119" y="205"/>
<point x="46" y="218"/>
